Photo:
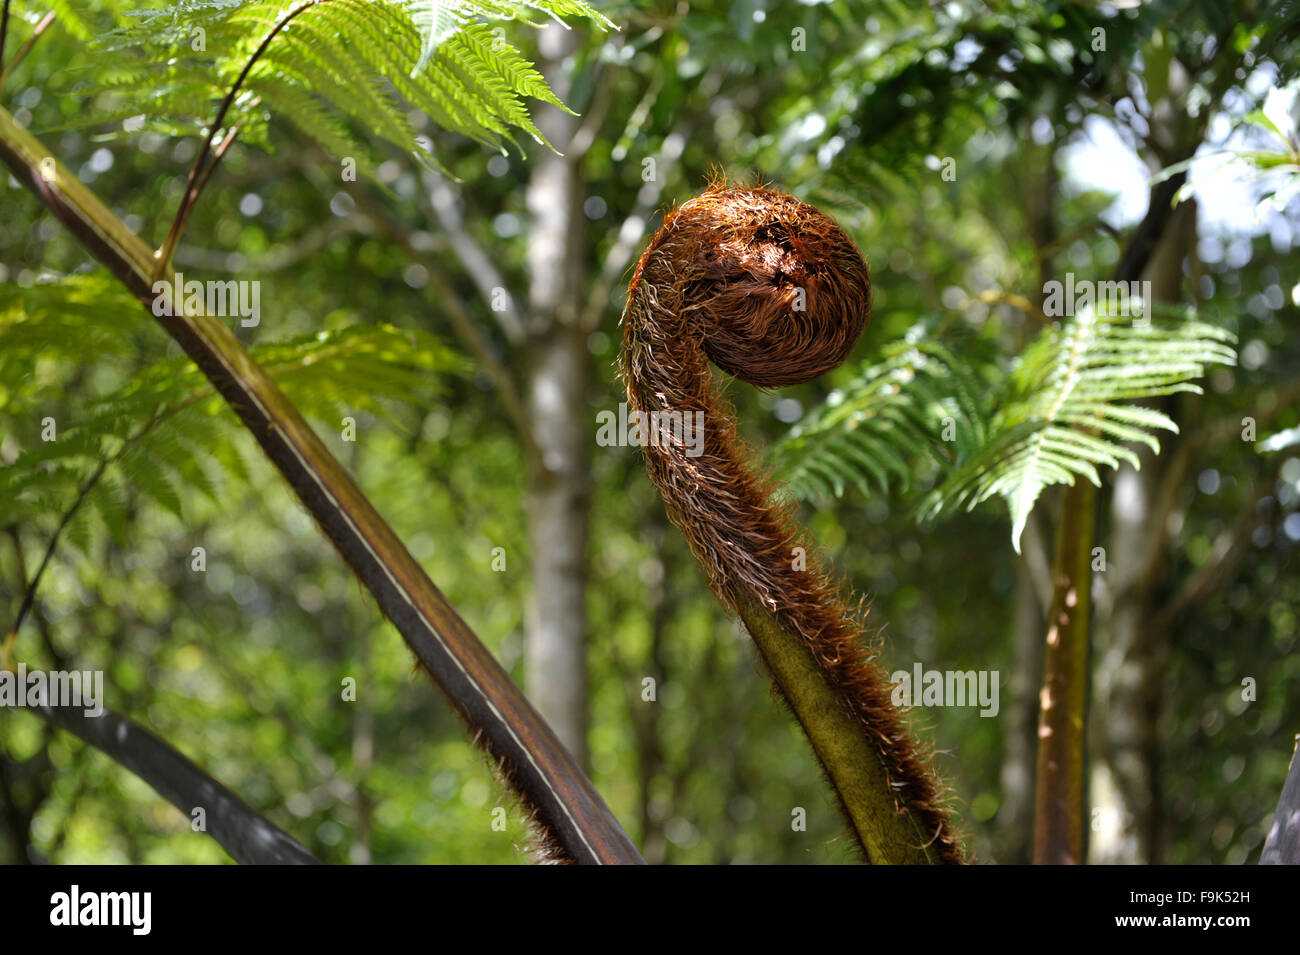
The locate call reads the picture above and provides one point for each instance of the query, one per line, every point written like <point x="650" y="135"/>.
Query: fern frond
<point x="1068" y="409"/>
<point x="436" y="20"/>
<point x="78" y="320"/>
<point x="918" y="406"/>
<point x="75" y="18"/>
<point x="167" y="430"/>
<point x="342" y="71"/>
<point x="525" y="11"/>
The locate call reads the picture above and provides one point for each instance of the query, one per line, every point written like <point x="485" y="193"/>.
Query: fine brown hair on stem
<point x="544" y="842"/>
<point x="773" y="292"/>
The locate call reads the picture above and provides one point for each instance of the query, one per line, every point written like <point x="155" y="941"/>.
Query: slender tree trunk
<point x="558" y="499"/>
<point x="1033" y="575"/>
<point x="1018" y="746"/>
<point x="1133" y="650"/>
<point x="1059" y="803"/>
<point x="1120" y="783"/>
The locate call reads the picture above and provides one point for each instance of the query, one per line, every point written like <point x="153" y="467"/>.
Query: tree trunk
<point x="1041" y="180"/>
<point x="1121" y="783"/>
<point x="1019" y="741"/>
<point x="1058" y="796"/>
<point x="558" y="497"/>
<point x="1132" y="651"/>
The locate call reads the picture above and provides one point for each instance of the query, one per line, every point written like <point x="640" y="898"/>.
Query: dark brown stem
<point x="566" y="807"/>
<point x="218" y="153"/>
<point x="248" y="836"/>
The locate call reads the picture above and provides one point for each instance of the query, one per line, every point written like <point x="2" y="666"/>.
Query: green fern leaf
<point x="341" y="71"/>
<point x="1068" y="408"/>
<point x="165" y="429"/>
<point x="918" y="403"/>
<point x="437" y="21"/>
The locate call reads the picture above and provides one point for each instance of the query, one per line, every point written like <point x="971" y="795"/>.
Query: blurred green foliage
<point x="242" y="666"/>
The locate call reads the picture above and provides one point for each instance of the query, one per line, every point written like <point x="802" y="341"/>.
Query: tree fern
<point x="340" y="70"/>
<point x="167" y="429"/>
<point x="917" y="407"/>
<point x="81" y="20"/>
<point x="1068" y="407"/>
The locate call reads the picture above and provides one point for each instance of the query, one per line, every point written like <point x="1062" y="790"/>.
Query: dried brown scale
<point x="719" y="281"/>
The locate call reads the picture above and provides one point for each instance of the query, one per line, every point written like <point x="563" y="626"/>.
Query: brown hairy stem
<point x="773" y="292"/>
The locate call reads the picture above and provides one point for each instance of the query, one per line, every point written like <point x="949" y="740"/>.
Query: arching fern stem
<point x="534" y="762"/>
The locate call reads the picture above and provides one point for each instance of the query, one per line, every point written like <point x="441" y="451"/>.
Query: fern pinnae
<point x="310" y="59"/>
<point x="148" y="426"/>
<point x="519" y="75"/>
<point x="884" y="423"/>
<point x="1066" y="410"/>
<point x="307" y="114"/>
<point x="437" y="20"/>
<point x="1068" y="407"/>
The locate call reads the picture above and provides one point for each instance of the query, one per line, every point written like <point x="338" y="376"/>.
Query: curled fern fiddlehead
<point x="773" y="292"/>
